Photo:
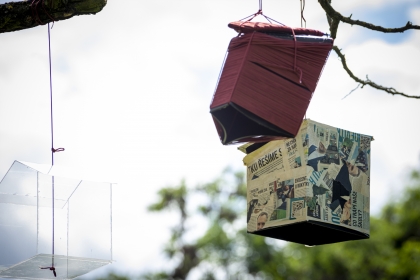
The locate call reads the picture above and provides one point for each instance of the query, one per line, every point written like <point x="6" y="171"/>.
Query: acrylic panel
<point x="41" y="213"/>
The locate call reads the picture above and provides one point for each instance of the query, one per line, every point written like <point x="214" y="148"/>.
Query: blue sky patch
<point x="391" y="16"/>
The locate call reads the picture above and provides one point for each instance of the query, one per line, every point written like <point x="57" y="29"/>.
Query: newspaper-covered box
<point x="312" y="189"/>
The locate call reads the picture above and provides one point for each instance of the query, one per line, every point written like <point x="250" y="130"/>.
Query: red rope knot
<point x="57" y="150"/>
<point x="34" y="10"/>
<point x="50" y="268"/>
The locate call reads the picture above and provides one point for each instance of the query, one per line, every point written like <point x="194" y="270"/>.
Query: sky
<point x="132" y="87"/>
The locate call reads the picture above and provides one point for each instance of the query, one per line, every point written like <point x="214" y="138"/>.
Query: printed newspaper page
<point x="272" y="199"/>
<point x="280" y="155"/>
<point x="323" y="174"/>
<point x="359" y="213"/>
<point x="340" y="180"/>
<point x="261" y="203"/>
<point x="265" y="160"/>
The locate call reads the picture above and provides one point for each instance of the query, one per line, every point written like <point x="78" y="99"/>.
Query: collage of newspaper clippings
<point x="321" y="174"/>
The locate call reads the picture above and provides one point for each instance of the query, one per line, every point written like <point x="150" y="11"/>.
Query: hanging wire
<point x="302" y="18"/>
<point x="52" y="146"/>
<point x="53" y="150"/>
<point x="52" y="267"/>
<point x="110" y="213"/>
<point x="37" y="212"/>
<point x="302" y="8"/>
<point x="51" y="99"/>
<point x="260" y="12"/>
<point x="68" y="229"/>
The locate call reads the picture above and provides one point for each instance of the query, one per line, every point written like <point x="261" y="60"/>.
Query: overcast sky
<point x="132" y="87"/>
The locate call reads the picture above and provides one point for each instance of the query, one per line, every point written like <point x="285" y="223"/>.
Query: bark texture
<point x="16" y="16"/>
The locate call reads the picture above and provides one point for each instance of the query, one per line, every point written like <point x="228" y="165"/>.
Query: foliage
<point x="226" y="251"/>
<point x="113" y="276"/>
<point x="214" y="251"/>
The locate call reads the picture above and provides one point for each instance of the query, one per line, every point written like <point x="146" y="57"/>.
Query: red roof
<point x="249" y="26"/>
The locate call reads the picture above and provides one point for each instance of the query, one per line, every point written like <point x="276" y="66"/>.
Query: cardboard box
<point x="312" y="189"/>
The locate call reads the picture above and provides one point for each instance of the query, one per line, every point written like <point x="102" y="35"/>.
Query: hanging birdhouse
<point x="312" y="189"/>
<point x="267" y="81"/>
<point x="52" y="227"/>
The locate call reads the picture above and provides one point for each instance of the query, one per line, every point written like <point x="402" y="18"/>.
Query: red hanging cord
<point x="52" y="149"/>
<point x="34" y="11"/>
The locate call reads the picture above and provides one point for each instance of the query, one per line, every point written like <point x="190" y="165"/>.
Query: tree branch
<point x="16" y="16"/>
<point x="367" y="81"/>
<point x="333" y="23"/>
<point x="358" y="85"/>
<point x="336" y="16"/>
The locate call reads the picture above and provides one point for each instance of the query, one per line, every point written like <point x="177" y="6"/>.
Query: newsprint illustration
<point x="322" y="174"/>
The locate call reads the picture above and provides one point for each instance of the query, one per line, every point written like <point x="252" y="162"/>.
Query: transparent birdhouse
<point x="312" y="189"/>
<point x="52" y="227"/>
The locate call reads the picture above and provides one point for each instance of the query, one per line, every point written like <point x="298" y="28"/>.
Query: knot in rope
<point x="50" y="268"/>
<point x="57" y="150"/>
<point x="34" y="10"/>
<point x="302" y="18"/>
